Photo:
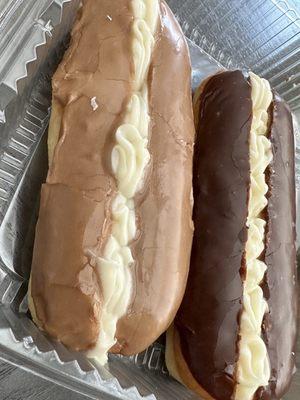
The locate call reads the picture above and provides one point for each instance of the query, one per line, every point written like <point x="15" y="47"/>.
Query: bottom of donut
<point x="178" y="367"/>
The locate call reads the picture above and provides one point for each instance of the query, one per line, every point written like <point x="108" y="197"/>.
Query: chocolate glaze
<point x="279" y="329"/>
<point x="164" y="211"/>
<point x="208" y="319"/>
<point x="75" y="201"/>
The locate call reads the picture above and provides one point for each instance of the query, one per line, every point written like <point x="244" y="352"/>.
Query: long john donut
<point x="234" y="335"/>
<point x="114" y="232"/>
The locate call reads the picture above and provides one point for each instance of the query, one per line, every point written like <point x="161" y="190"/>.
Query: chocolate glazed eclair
<point x="234" y="335"/>
<point x="114" y="234"/>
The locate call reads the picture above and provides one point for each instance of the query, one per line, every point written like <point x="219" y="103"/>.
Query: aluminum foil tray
<point x="263" y="35"/>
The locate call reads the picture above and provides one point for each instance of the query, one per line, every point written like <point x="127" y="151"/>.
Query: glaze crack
<point x="181" y="142"/>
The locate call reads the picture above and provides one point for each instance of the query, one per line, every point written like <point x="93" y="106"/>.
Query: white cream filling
<point x="253" y="369"/>
<point x="94" y="103"/>
<point x="129" y="158"/>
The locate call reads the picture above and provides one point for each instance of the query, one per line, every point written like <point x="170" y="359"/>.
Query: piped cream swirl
<point x="253" y="369"/>
<point x="130" y="156"/>
<point x="129" y="159"/>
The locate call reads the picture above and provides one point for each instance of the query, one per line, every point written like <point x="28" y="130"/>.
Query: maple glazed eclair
<point x="234" y="335"/>
<point x="114" y="233"/>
